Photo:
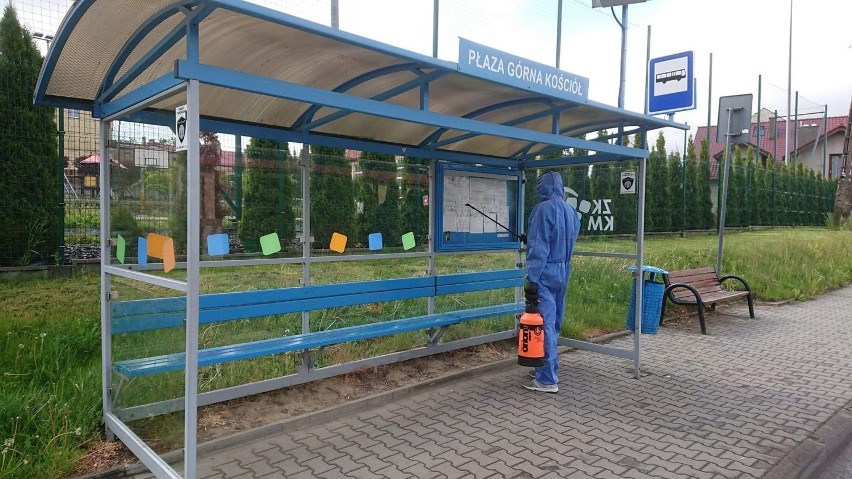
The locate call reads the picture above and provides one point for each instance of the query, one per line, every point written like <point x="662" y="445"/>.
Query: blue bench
<point x="162" y="313"/>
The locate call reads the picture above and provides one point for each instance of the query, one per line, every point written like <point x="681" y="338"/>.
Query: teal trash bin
<point x="652" y="299"/>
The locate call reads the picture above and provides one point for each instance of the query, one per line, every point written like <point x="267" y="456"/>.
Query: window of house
<point x="835" y="162"/>
<point x="73" y="113"/>
<point x="761" y="129"/>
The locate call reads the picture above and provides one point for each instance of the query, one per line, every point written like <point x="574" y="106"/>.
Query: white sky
<point x="747" y="38"/>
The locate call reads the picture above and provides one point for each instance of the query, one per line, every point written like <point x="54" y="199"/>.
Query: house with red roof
<point x="816" y="144"/>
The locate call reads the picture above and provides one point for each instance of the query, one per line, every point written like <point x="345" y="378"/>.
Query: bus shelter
<point x="475" y="128"/>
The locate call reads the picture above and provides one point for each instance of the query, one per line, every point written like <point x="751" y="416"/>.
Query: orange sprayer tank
<point x="531" y="340"/>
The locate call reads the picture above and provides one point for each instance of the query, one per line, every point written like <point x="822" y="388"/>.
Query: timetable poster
<point x="495" y="197"/>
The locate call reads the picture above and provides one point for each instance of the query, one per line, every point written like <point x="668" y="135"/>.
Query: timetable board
<point x="461" y="191"/>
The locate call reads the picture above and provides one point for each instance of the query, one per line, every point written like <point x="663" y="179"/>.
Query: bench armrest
<point x="670" y="287"/>
<point x="738" y="278"/>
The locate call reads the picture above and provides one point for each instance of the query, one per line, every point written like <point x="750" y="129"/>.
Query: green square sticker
<point x="270" y="244"/>
<point x="120" y="245"/>
<point x="408" y="241"/>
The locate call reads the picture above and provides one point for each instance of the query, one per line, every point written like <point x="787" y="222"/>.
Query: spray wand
<point x="522" y="237"/>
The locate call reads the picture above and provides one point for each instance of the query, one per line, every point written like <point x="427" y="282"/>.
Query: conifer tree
<point x="530" y="193"/>
<point x="677" y="205"/>
<point x="30" y="186"/>
<point x="332" y="195"/>
<point x="379" y="195"/>
<point x="415" y="188"/>
<point x="269" y="194"/>
<point x="760" y="195"/>
<point x="705" y="207"/>
<point x="657" y="197"/>
<point x="693" y="218"/>
<point x="736" y="190"/>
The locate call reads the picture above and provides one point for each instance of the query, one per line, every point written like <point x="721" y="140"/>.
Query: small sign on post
<point x="628" y="182"/>
<point x="180" y="128"/>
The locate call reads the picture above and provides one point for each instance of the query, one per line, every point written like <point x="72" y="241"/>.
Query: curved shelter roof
<point x="306" y="82"/>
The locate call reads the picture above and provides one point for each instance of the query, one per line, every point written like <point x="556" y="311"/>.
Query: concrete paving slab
<point x="755" y="398"/>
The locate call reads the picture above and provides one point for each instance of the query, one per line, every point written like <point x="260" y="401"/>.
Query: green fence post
<point x="61" y="150"/>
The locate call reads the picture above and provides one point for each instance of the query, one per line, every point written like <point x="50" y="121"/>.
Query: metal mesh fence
<point x="373" y="193"/>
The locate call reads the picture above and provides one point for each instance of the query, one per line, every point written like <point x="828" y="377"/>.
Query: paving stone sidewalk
<point x="732" y="404"/>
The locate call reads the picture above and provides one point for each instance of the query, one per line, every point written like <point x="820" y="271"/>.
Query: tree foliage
<point x="30" y="185"/>
<point x="415" y="188"/>
<point x="332" y="195"/>
<point x="269" y="194"/>
<point x="657" y="194"/>
<point x="378" y="196"/>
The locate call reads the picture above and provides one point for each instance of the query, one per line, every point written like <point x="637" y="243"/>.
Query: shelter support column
<point x="640" y="259"/>
<point x="106" y="333"/>
<point x="193" y="251"/>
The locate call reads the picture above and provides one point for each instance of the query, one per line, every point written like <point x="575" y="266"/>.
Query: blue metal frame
<point x="459" y="241"/>
<point x="306" y="121"/>
<point x="236" y="80"/>
<point x="433" y="139"/>
<point x="136" y="97"/>
<point x="110" y="86"/>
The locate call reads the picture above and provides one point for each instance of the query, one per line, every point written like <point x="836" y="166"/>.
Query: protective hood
<point x="549" y="186"/>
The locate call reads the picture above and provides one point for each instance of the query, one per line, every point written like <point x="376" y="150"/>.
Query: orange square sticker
<point x="155" y="244"/>
<point x="162" y="247"/>
<point x="338" y="242"/>
<point x="168" y="255"/>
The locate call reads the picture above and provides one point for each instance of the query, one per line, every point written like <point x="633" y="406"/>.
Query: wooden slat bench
<point x="702" y="287"/>
<point x="161" y="313"/>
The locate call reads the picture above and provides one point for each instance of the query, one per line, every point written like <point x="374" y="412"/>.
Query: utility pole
<point x="789" y="88"/>
<point x="335" y="15"/>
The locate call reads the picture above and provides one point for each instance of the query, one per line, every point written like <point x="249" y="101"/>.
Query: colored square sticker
<point x="155" y="245"/>
<point x="375" y="241"/>
<point x="408" y="241"/>
<point x="120" y="246"/>
<point x="270" y="244"/>
<point x="338" y="242"/>
<point x="217" y="244"/>
<point x="142" y="255"/>
<point x="168" y="255"/>
<point x="162" y="247"/>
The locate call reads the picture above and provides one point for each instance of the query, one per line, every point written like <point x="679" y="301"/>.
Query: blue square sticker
<point x="217" y="244"/>
<point x="375" y="241"/>
<point x="142" y="257"/>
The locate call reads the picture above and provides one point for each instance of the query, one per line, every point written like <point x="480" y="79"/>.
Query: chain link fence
<point x="254" y="187"/>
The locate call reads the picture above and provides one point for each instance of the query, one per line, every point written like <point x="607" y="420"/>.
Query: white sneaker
<point x="545" y="388"/>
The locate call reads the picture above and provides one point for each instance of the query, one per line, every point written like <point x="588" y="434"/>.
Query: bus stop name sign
<point x="501" y="67"/>
<point x="671" y="83"/>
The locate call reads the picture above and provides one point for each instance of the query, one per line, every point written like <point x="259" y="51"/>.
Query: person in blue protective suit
<point x="551" y="235"/>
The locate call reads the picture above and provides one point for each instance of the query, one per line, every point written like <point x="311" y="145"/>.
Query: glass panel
<point x="147" y="199"/>
<point x="259" y="206"/>
<point x="224" y="333"/>
<point x="590" y="312"/>
<point x="472" y="263"/>
<point x="607" y="217"/>
<point x="367" y="203"/>
<point x="341" y="317"/>
<point x="148" y="342"/>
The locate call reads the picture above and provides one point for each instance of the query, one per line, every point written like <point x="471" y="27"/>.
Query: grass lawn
<point x="50" y="397"/>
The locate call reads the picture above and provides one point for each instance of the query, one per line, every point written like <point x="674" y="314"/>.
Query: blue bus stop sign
<point x="671" y="83"/>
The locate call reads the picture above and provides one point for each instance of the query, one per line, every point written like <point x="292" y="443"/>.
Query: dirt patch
<point x="103" y="455"/>
<point x="220" y="420"/>
<point x="224" y="419"/>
